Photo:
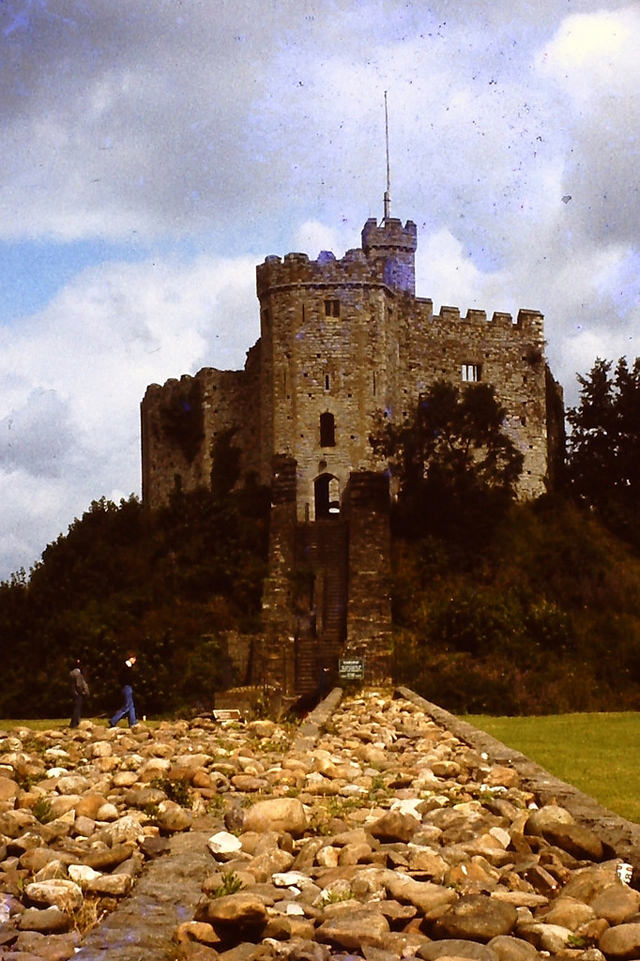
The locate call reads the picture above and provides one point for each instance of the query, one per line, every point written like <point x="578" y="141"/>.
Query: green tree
<point x="604" y="444"/>
<point x="453" y="461"/>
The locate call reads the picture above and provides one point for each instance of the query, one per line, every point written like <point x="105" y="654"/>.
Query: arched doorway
<point x="327" y="496"/>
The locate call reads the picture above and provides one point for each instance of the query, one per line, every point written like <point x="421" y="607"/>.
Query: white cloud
<point x="73" y="376"/>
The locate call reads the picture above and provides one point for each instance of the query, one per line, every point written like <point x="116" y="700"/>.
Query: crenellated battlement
<point x="528" y="323"/>
<point x="296" y="269"/>
<point x="386" y="258"/>
<point x="389" y="235"/>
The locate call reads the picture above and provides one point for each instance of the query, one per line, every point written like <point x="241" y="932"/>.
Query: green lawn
<point x="598" y="753"/>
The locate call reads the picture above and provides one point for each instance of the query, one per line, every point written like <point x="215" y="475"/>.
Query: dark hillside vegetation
<point x="166" y="584"/>
<point x="542" y="618"/>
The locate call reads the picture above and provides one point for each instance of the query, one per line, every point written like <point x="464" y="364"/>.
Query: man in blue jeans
<point x="126" y="683"/>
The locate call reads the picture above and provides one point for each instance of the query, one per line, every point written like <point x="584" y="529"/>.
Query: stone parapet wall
<point x="369" y="605"/>
<point x="507" y="355"/>
<point x="275" y="665"/>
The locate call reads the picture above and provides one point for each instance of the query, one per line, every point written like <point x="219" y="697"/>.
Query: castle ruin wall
<point x="182" y="419"/>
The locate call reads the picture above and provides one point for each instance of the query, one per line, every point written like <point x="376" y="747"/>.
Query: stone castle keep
<point x="341" y="341"/>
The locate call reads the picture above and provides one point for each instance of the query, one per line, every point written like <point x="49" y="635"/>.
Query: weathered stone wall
<point x="324" y="365"/>
<point x="182" y="419"/>
<point x="275" y="663"/>
<point x="369" y="605"/>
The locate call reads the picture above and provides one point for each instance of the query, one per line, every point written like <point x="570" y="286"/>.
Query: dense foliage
<point x="604" y="445"/>
<point x="451" y="460"/>
<point x="166" y="584"/>
<point x="544" y="617"/>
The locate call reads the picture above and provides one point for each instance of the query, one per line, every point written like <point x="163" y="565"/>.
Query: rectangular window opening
<point x="471" y="373"/>
<point x="332" y="308"/>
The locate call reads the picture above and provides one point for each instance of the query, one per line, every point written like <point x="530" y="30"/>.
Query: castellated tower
<point x="341" y="340"/>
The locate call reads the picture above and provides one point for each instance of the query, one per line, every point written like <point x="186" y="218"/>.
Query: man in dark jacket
<point x="79" y="690"/>
<point x="126" y="683"/>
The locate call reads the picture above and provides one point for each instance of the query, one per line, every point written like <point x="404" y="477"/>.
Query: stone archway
<point x="326" y="489"/>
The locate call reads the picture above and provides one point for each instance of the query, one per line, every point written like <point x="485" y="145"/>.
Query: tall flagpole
<point x="387" y="193"/>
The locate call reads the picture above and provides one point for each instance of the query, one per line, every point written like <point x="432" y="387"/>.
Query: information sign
<point x="352" y="668"/>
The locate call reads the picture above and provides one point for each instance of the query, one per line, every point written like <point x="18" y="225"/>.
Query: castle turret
<point x="392" y="248"/>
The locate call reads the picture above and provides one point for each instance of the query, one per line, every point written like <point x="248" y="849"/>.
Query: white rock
<point x="407" y="806"/>
<point x="285" y="879"/>
<point x="223" y="843"/>
<point x="126" y="828"/>
<point x="502" y="837"/>
<point x="294" y="909"/>
<point x="82" y="874"/>
<point x="107" y="812"/>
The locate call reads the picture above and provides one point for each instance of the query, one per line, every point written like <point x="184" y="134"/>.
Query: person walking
<point x="126" y="683"/>
<point x="79" y="690"/>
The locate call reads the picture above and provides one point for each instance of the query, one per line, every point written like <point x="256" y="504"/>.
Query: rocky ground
<point x="382" y="836"/>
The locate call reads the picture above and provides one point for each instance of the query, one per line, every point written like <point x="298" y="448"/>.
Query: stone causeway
<point x="380" y="827"/>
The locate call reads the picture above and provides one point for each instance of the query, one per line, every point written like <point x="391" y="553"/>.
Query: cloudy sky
<point x="153" y="151"/>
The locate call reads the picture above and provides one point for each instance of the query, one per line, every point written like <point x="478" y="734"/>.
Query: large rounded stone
<point x="507" y="948"/>
<point x="72" y="784"/>
<point x="141" y="797"/>
<point x="456" y="948"/>
<point x="576" y="839"/>
<point x="568" y="912"/>
<point x="239" y="916"/>
<point x="276" y="814"/>
<point x="126" y="828"/>
<point x="110" y="885"/>
<point x="394" y="826"/>
<point x="171" y="818"/>
<point x="616" y="903"/>
<point x="427" y="897"/>
<point x="546" y="937"/>
<point x="621" y="941"/>
<point x="89" y="805"/>
<point x="546" y="817"/>
<point x="353" y="929"/>
<point x="108" y="858"/>
<point x="477" y="917"/>
<point x="8" y="788"/>
<point x="62" y="894"/>
<point x="45" y="920"/>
